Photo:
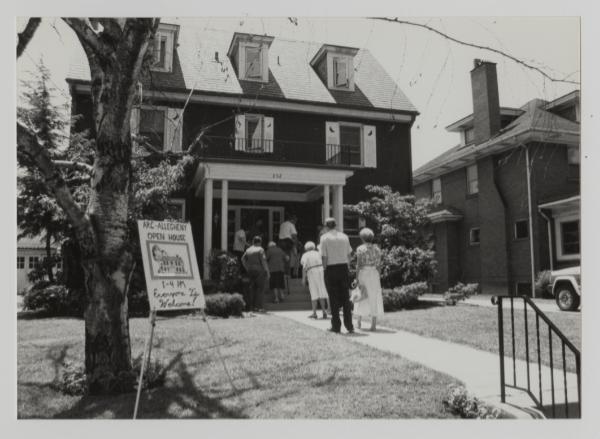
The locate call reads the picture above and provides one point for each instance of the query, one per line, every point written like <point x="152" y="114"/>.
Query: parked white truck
<point x="566" y="288"/>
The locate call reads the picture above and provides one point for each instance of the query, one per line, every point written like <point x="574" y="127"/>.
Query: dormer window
<point x="250" y="55"/>
<point x="335" y="66"/>
<point x="164" y="46"/>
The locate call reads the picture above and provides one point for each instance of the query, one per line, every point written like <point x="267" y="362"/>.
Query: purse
<point x="358" y="294"/>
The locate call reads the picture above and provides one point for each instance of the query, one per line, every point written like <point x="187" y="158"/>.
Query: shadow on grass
<point x="181" y="399"/>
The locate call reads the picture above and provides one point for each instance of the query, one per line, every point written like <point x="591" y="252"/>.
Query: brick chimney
<point x="486" y="103"/>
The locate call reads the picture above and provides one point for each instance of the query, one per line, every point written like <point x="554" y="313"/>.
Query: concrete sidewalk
<point x="478" y="370"/>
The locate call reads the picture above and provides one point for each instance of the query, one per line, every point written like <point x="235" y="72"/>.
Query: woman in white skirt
<point x="368" y="257"/>
<point x="314" y="275"/>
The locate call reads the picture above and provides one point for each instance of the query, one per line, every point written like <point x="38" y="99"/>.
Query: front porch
<point x="238" y="194"/>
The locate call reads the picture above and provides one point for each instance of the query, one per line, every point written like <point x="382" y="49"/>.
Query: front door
<point x="261" y="220"/>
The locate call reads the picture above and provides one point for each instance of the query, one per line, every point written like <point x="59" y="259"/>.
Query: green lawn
<point x="281" y="369"/>
<point x="477" y="326"/>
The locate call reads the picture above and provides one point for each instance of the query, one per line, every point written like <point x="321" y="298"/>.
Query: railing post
<point x="551" y="371"/>
<point x="501" y="348"/>
<point x="512" y="330"/>
<point x="526" y="344"/>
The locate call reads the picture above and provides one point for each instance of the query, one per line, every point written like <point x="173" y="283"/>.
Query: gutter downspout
<point x="531" y="254"/>
<point x="550" y="243"/>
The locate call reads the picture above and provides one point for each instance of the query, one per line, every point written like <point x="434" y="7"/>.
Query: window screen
<point x="350" y="141"/>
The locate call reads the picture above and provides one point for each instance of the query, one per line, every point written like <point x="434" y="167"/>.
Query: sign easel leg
<point x="145" y="361"/>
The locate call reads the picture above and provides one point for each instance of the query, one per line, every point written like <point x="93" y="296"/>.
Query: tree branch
<point x="27" y="34"/>
<point x="89" y="37"/>
<point x="477" y="46"/>
<point x="29" y="145"/>
<point x="78" y="166"/>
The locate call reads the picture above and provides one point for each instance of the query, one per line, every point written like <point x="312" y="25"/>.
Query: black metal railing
<point x="280" y="151"/>
<point x="545" y="334"/>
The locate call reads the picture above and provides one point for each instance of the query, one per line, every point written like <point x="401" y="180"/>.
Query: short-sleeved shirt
<point x="239" y="241"/>
<point x="286" y="230"/>
<point x="276" y="259"/>
<point x="311" y="259"/>
<point x="253" y="258"/>
<point x="335" y="246"/>
<point x="368" y="255"/>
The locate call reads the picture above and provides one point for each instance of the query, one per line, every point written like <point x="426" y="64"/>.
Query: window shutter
<point x="134" y="122"/>
<point x="369" y="146"/>
<point x="332" y="142"/>
<point x="268" y="134"/>
<point x="240" y="132"/>
<point x="264" y="62"/>
<point x="173" y="129"/>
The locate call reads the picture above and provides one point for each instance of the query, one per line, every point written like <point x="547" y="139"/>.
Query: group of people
<point x="325" y="270"/>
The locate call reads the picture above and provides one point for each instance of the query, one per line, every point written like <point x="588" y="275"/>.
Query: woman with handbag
<point x="368" y="298"/>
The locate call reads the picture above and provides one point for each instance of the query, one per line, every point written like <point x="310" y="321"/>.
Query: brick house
<point x="488" y="223"/>
<point x="282" y="127"/>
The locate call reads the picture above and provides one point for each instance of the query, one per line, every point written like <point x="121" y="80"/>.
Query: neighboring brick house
<point x="482" y="223"/>
<point x="282" y="127"/>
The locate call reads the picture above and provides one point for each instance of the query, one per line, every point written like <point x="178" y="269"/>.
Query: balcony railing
<point x="280" y="151"/>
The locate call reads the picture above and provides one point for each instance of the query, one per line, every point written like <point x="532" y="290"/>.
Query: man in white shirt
<point x="288" y="236"/>
<point x="336" y="252"/>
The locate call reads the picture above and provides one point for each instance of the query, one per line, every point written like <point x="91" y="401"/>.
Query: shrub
<point x="405" y="296"/>
<point x="459" y="402"/>
<point x="53" y="299"/>
<point x="460" y="291"/>
<point x="225" y="269"/>
<point x="401" y="266"/>
<point x="543" y="283"/>
<point x="225" y="305"/>
<point x="137" y="304"/>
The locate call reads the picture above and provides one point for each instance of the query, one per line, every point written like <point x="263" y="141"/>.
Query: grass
<point x="280" y="368"/>
<point x="477" y="326"/>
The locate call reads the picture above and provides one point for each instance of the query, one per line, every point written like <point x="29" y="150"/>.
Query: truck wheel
<point x="566" y="298"/>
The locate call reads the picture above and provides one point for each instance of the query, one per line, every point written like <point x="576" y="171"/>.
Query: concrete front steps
<point x="298" y="300"/>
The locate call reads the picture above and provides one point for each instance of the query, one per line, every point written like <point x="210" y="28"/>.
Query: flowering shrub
<point x="402" y="297"/>
<point x="460" y="291"/>
<point x="459" y="402"/>
<point x="53" y="299"/>
<point x="401" y="265"/>
<point x="225" y="305"/>
<point x="225" y="269"/>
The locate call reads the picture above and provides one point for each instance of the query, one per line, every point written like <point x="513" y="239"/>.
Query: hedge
<point x="406" y="296"/>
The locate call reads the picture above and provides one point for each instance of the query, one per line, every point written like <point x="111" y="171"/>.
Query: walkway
<point x="478" y="370"/>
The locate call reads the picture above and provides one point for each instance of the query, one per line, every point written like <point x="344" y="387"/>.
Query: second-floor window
<point x="160" y="127"/>
<point x="474" y="236"/>
<point x="436" y="190"/>
<point x="152" y="127"/>
<point x="254" y="133"/>
<point x="472" y="180"/>
<point x="350" y="144"/>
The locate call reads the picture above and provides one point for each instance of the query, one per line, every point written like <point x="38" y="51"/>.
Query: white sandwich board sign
<point x="172" y="274"/>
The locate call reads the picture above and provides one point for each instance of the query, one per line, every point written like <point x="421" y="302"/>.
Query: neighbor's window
<point x="521" y="229"/>
<point x="436" y="190"/>
<point x="341" y="78"/>
<point x="472" y="181"/>
<point x="34" y="261"/>
<point x="20" y="262"/>
<point x="152" y="127"/>
<point x="253" y="68"/>
<point x="474" y="236"/>
<point x="351" y="143"/>
<point x="569" y="231"/>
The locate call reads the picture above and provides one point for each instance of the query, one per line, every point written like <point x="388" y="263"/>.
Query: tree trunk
<point x="49" y="264"/>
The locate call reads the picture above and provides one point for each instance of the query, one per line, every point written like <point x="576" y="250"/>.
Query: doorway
<point x="268" y="218"/>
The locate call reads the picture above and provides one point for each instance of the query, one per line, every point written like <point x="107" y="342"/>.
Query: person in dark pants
<point x="336" y="251"/>
<point x="254" y="261"/>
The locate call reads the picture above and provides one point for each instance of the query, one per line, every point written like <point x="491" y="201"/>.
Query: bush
<point x="459" y="402"/>
<point x="543" y="283"/>
<point x="225" y="305"/>
<point x="225" y="269"/>
<point x="401" y="266"/>
<point x="137" y="305"/>
<point x="460" y="291"/>
<point x="402" y="297"/>
<point x="53" y="299"/>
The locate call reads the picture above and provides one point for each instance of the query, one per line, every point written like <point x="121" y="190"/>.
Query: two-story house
<point x="282" y="127"/>
<point x="507" y="195"/>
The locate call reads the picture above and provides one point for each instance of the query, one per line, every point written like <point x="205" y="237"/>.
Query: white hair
<point x="309" y="246"/>
<point x="366" y="234"/>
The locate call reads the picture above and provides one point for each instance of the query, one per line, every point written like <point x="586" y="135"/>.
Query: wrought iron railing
<point x="549" y="374"/>
<point x="280" y="151"/>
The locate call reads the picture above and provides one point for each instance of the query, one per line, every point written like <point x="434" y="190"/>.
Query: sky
<point x="431" y="70"/>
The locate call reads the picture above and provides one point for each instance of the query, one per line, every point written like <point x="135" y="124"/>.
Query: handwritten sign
<point x="172" y="275"/>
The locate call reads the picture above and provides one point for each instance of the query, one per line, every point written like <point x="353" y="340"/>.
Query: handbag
<point x="358" y="293"/>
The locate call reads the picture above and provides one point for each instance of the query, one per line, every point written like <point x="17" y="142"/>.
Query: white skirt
<point x="372" y="306"/>
<point x="316" y="283"/>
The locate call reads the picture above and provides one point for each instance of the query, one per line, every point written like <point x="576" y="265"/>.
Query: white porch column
<point x="326" y="206"/>
<point x="338" y="206"/>
<point x="224" y="212"/>
<point x="208" y="216"/>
